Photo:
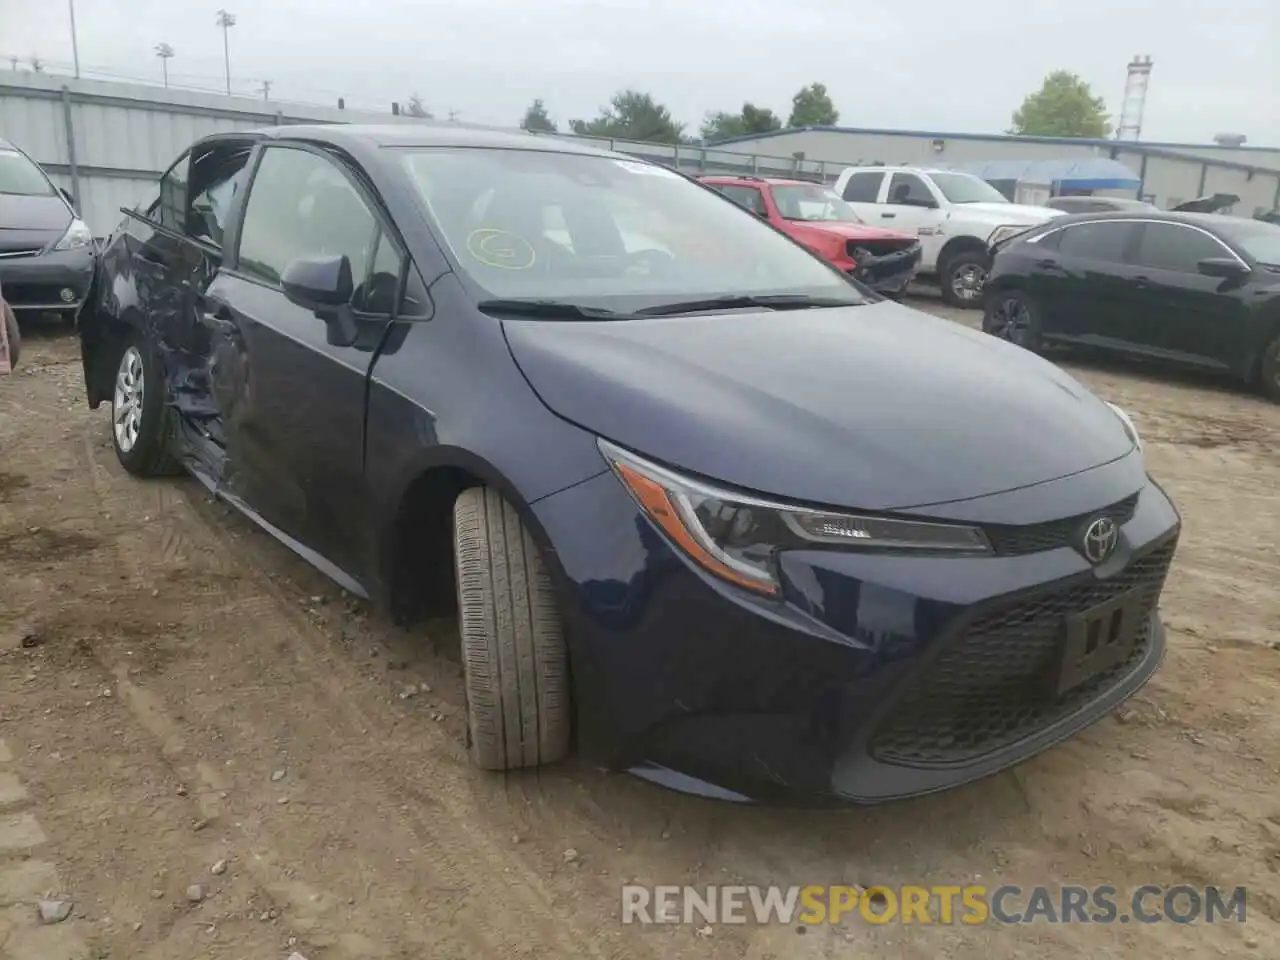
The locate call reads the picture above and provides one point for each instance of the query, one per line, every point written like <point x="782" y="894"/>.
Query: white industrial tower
<point x="1135" y="99"/>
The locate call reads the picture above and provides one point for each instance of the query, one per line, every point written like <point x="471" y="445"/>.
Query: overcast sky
<point x="958" y="66"/>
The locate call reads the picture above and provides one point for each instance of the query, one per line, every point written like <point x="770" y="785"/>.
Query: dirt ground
<point x="183" y="702"/>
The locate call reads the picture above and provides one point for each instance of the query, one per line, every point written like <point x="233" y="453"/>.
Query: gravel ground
<point x="211" y="752"/>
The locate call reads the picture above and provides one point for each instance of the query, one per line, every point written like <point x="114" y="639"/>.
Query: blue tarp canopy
<point x="1090" y="173"/>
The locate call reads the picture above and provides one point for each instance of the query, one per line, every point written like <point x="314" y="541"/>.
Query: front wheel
<point x="515" y="663"/>
<point x="1012" y="315"/>
<point x="963" y="277"/>
<point x="1269" y="372"/>
<point x="139" y="411"/>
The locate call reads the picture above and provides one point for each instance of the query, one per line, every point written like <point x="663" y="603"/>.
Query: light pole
<point x="226" y="21"/>
<point x="75" y="47"/>
<point x="164" y="52"/>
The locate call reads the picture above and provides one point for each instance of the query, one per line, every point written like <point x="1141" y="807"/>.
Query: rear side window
<point x="863" y="187"/>
<point x="1095" y="241"/>
<point x="748" y="197"/>
<point x="302" y="205"/>
<point x="1170" y="246"/>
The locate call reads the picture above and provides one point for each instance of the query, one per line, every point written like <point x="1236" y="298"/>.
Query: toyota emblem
<point x="1100" y="539"/>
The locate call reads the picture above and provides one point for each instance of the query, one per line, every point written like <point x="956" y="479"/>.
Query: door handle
<point x="1048" y="264"/>
<point x="1142" y="280"/>
<point x="888" y="216"/>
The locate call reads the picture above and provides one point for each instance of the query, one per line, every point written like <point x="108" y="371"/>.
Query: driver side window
<point x="909" y="190"/>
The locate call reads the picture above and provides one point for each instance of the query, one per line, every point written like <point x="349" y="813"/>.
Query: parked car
<point x="46" y="251"/>
<point x="739" y="527"/>
<point x="817" y="219"/>
<point x="1098" y="204"/>
<point x="1196" y="289"/>
<point x="957" y="217"/>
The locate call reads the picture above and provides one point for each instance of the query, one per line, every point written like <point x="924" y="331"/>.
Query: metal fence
<point x="107" y="143"/>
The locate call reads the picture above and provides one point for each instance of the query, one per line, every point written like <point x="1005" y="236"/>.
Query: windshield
<point x="1257" y="238"/>
<point x="812" y="202"/>
<point x="966" y="188"/>
<point x="604" y="232"/>
<point x="20" y="176"/>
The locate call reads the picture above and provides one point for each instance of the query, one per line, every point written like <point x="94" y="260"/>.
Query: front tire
<point x="1269" y="371"/>
<point x="515" y="662"/>
<point x="963" y="276"/>
<point x="139" y="411"/>
<point x="1012" y="315"/>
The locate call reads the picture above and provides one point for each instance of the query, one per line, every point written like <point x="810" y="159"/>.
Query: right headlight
<point x="737" y="537"/>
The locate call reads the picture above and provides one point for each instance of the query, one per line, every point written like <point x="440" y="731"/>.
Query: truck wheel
<point x="140" y="417"/>
<point x="12" y="334"/>
<point x="513" y="651"/>
<point x="1269" y="372"/>
<point x="963" y="276"/>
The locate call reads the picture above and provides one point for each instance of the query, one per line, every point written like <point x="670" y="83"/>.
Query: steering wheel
<point x="651" y="260"/>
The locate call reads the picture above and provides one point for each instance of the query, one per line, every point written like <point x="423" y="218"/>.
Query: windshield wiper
<point x="783" y="301"/>
<point x="549" y="310"/>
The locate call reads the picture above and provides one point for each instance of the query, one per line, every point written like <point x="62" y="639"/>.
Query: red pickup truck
<point x="816" y="217"/>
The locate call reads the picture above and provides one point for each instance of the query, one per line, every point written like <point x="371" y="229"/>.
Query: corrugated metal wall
<point x="123" y="136"/>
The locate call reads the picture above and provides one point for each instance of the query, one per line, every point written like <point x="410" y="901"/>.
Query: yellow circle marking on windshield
<point x="498" y="248"/>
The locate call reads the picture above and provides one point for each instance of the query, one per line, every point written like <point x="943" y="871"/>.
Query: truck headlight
<point x="737" y="537"/>
<point x="78" y="235"/>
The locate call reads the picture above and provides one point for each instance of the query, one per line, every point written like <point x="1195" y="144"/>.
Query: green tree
<point x="1063" y="107"/>
<point x="632" y="115"/>
<point x="415" y="108"/>
<point x="812" y="107"/>
<point x="536" y="119"/>
<point x="721" y="126"/>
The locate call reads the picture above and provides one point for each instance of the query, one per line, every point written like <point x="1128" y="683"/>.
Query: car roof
<point x="772" y="181"/>
<point x="420" y="135"/>
<point x="1205" y="220"/>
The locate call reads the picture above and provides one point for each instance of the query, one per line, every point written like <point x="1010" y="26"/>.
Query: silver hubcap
<point x="126" y="406"/>
<point x="968" y="281"/>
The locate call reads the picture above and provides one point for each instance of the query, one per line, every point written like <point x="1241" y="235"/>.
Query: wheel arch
<point x="965" y="243"/>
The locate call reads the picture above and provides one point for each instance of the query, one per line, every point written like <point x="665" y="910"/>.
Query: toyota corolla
<point x="707" y="508"/>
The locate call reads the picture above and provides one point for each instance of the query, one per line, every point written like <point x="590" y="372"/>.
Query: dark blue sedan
<point x="704" y="505"/>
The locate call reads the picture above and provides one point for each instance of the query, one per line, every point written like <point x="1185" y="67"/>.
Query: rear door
<point x="862" y="192"/>
<point x="293" y="392"/>
<point x="1172" y="308"/>
<point x="1080" y="281"/>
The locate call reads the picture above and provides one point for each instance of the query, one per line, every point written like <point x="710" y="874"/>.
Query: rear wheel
<point x="1269" y="372"/>
<point x="963" y="277"/>
<point x="513" y="651"/>
<point x="1012" y="315"/>
<point x="139" y="411"/>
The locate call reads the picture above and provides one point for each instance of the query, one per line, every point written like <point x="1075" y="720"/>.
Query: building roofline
<point x="998" y="137"/>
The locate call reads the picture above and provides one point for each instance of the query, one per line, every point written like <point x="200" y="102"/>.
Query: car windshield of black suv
<point x="609" y="234"/>
<point x="20" y="177"/>
<point x="965" y="188"/>
<point x="805" y="202"/>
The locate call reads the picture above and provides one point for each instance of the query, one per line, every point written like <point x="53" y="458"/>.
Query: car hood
<point x="48" y="213"/>
<point x="1009" y="213"/>
<point x="852" y="231"/>
<point x="878" y="407"/>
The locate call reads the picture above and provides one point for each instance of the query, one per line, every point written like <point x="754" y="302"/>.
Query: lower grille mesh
<point x="990" y="686"/>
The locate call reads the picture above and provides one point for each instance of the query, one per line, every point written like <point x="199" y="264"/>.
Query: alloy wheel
<point x="1011" y="320"/>
<point x="967" y="282"/>
<point x="126" y="404"/>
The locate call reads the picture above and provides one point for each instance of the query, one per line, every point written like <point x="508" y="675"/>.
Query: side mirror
<point x="71" y="201"/>
<point x="318" y="283"/>
<point x="1225" y="267"/>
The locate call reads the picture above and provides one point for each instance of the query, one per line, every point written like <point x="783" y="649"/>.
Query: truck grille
<point x="991" y="685"/>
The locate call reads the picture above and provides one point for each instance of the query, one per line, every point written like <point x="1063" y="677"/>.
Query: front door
<point x="292" y="387"/>
<point x="1080" y="282"/>
<point x="1176" y="311"/>
<point x="909" y="205"/>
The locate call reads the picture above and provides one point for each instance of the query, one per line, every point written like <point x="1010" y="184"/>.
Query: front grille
<point x="882" y="248"/>
<point x="1015" y="541"/>
<point x="992" y="685"/>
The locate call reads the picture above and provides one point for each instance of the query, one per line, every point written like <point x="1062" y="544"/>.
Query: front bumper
<point x="890" y="273"/>
<point x="878" y="677"/>
<point x="36" y="282"/>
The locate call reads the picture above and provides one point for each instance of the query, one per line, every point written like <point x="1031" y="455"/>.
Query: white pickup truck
<point x="956" y="215"/>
